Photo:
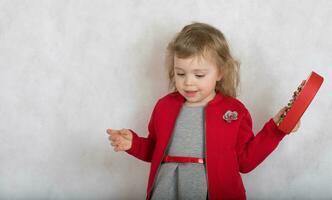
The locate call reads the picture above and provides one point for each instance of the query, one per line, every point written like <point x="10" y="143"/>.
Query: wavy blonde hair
<point x="203" y="40"/>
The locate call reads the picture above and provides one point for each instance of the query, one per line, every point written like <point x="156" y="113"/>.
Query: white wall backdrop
<point x="71" y="69"/>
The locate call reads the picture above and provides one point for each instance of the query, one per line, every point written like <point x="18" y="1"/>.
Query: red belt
<point x="181" y="159"/>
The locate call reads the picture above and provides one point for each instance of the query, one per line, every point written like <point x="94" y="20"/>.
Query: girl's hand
<point x="120" y="139"/>
<point x="278" y="115"/>
<point x="297" y="126"/>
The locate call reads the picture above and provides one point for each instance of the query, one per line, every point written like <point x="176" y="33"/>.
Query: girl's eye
<point x="199" y="76"/>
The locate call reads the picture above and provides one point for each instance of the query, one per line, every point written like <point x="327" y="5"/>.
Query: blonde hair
<point x="200" y="39"/>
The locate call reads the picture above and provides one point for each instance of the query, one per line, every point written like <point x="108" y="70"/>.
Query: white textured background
<point x="71" y="69"/>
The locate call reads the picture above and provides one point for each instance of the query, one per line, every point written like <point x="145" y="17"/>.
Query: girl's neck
<point x="193" y="106"/>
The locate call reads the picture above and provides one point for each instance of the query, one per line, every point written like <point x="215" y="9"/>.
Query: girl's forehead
<point x="196" y="63"/>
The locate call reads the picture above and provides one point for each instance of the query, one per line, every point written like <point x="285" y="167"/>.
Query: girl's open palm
<point x="120" y="139"/>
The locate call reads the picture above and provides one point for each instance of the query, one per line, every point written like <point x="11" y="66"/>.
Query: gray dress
<point x="184" y="180"/>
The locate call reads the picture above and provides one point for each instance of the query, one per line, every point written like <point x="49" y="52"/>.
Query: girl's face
<point x="195" y="79"/>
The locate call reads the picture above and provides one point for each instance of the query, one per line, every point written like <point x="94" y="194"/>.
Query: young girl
<point x="200" y="136"/>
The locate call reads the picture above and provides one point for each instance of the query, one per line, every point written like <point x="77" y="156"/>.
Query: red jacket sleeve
<point x="141" y="147"/>
<point x="252" y="150"/>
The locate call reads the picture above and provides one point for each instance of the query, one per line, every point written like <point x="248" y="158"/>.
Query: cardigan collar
<point x="217" y="98"/>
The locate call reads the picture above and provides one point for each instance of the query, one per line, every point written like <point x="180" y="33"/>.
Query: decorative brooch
<point x="229" y="116"/>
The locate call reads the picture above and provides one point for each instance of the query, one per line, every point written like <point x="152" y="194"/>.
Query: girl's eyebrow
<point x="193" y="69"/>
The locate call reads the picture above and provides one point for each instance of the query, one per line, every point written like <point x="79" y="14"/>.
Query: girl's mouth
<point x="190" y="93"/>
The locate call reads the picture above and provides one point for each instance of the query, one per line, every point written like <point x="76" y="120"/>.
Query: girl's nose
<point x="188" y="80"/>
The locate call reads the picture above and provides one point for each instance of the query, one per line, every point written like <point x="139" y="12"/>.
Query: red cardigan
<point x="231" y="148"/>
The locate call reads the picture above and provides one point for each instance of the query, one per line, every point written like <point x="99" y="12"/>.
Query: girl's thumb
<point x="124" y="131"/>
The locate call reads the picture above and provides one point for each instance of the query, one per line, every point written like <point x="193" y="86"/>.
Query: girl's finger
<point x="127" y="134"/>
<point x="112" y="138"/>
<point x="108" y="131"/>
<point x="122" y="131"/>
<point x="116" y="149"/>
<point x="117" y="140"/>
<point x="297" y="126"/>
<point x="113" y="132"/>
<point x="282" y="110"/>
<point x="113" y="144"/>
<point x="115" y="135"/>
<point x="120" y="147"/>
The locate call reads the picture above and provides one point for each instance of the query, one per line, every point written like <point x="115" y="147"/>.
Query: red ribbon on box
<point x="301" y="103"/>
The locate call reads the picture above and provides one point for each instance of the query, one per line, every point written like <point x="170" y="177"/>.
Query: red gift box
<point x="300" y="102"/>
